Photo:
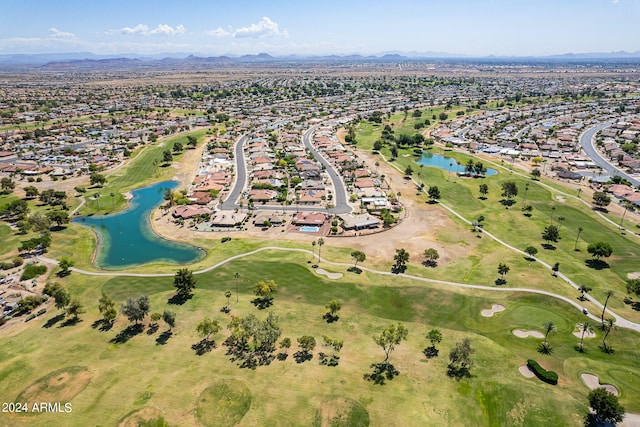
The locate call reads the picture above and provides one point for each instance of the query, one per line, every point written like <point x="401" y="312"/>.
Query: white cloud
<point x="60" y="34"/>
<point x="264" y="28"/>
<point x="217" y="32"/>
<point x="144" y="30"/>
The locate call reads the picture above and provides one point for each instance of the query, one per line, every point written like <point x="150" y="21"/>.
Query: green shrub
<point x="549" y="377"/>
<point x="30" y="317"/>
<point x="32" y="270"/>
<point x="17" y="261"/>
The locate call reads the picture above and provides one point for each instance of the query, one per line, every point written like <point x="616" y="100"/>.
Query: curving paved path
<point x="340" y="196"/>
<point x="587" y="139"/>
<point x="619" y="320"/>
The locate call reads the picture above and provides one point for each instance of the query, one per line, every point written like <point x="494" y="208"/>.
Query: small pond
<point x="126" y="239"/>
<point x="447" y="163"/>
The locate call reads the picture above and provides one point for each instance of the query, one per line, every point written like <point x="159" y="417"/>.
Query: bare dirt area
<point x="59" y="386"/>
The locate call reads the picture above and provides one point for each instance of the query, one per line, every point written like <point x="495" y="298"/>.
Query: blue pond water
<point x="126" y="239"/>
<point x="447" y="163"/>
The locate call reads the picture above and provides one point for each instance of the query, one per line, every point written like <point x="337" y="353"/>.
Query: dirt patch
<point x="341" y="411"/>
<point x="330" y="275"/>
<point x="526" y="372"/>
<point x="525" y="334"/>
<point x="495" y="308"/>
<point x="578" y="333"/>
<point x="58" y="386"/>
<point x="593" y="382"/>
<point x="142" y="417"/>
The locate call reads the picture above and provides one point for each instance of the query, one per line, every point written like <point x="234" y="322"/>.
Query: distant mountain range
<point x="89" y="60"/>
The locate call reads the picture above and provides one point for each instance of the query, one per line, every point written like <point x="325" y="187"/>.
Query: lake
<point x="447" y="163"/>
<point x="126" y="239"/>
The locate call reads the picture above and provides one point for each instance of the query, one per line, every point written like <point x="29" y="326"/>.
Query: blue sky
<point x="213" y="27"/>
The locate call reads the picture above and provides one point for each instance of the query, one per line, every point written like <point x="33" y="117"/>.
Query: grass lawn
<point x="549" y="207"/>
<point x="143" y="374"/>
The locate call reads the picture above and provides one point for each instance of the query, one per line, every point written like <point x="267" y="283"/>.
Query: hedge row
<point x="549" y="377"/>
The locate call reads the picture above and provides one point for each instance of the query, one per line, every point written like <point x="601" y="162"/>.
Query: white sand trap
<point x="593" y="382"/>
<point x="578" y="333"/>
<point x="634" y="275"/>
<point x="495" y="308"/>
<point x="526" y="372"/>
<point x="561" y="199"/>
<point x="525" y="334"/>
<point x="328" y="274"/>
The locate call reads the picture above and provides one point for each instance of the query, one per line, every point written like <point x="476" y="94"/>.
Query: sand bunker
<point x="578" y="333"/>
<point x="525" y="334"/>
<point x="561" y="199"/>
<point x="634" y="275"/>
<point x="495" y="308"/>
<point x="328" y="274"/>
<point x="593" y="382"/>
<point x="526" y="372"/>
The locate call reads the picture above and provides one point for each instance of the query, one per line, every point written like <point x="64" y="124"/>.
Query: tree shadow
<point x="507" y="202"/>
<point x="127" y="333"/>
<point x="330" y="318"/>
<point x="606" y="348"/>
<point x="458" y="373"/>
<point x="381" y="372"/>
<point x="596" y="264"/>
<point x="63" y="273"/>
<point x="398" y="269"/>
<point x="634" y="304"/>
<point x="164" y="337"/>
<point x="355" y="270"/>
<point x="203" y="346"/>
<point x="70" y="322"/>
<point x="55" y="319"/>
<point x="500" y="281"/>
<point x="302" y="356"/>
<point x="580" y="349"/>
<point x="545" y="349"/>
<point x="102" y="325"/>
<point x="430" y="263"/>
<point x="179" y="299"/>
<point x="226" y="309"/>
<point x="282" y="356"/>
<point x="153" y="328"/>
<point x="329" y="359"/>
<point x="262" y="303"/>
<point x="548" y="246"/>
<point x="431" y="352"/>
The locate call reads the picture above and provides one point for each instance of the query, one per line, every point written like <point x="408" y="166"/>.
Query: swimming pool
<point x="309" y="229"/>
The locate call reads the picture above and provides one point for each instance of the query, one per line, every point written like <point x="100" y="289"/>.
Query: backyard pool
<point x="309" y="229"/>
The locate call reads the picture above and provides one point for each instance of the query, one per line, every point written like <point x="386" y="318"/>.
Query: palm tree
<point x="320" y="243"/>
<point x="580" y="230"/>
<point x="112" y="196"/>
<point x="96" y="196"/>
<point x="627" y="206"/>
<point x="607" y="326"/>
<point x="586" y="328"/>
<point x="608" y="294"/>
<point x="549" y="327"/>
<point x="237" y="277"/>
<point x="313" y="247"/>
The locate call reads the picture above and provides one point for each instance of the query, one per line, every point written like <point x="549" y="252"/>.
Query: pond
<point x="447" y="163"/>
<point x="126" y="239"/>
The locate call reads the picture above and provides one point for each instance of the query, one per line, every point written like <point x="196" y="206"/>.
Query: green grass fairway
<point x="150" y="378"/>
<point x="223" y="404"/>
<point x="550" y="201"/>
